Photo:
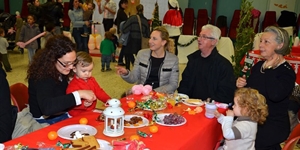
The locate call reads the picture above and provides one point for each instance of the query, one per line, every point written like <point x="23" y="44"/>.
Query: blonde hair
<point x="164" y="34"/>
<point x="112" y="30"/>
<point x="252" y="103"/>
<point x="83" y="59"/>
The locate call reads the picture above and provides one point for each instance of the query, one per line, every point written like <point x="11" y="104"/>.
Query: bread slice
<point x="79" y="143"/>
<point x="92" y="141"/>
<point x="194" y="101"/>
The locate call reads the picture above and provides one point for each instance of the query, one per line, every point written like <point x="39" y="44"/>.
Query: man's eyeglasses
<point x="67" y="64"/>
<point x="205" y="37"/>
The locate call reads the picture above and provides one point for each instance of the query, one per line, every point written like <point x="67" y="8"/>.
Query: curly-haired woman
<point x="48" y="80"/>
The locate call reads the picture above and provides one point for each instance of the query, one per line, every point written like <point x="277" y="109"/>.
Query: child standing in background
<point x="28" y="31"/>
<point x="250" y="108"/>
<point x="115" y="42"/>
<point x="88" y="8"/>
<point x="3" y="51"/>
<point x="107" y="50"/>
<point x="50" y="28"/>
<point x="83" y="80"/>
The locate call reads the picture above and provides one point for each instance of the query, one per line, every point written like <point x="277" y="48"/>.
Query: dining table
<point x="199" y="132"/>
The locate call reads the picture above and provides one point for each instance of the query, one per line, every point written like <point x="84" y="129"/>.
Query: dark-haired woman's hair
<point x="121" y="2"/>
<point x="43" y="64"/>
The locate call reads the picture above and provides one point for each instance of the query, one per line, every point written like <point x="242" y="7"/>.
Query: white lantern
<point x="114" y="119"/>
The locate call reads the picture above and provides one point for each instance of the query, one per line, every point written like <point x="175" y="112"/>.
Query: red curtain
<point x="6" y="6"/>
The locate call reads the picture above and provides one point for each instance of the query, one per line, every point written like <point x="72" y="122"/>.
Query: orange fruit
<point x="131" y="104"/>
<point x="134" y="137"/>
<point x="52" y="135"/>
<point x="153" y="129"/>
<point x="83" y="121"/>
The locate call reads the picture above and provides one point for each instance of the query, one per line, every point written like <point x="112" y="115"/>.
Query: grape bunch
<point x="173" y="119"/>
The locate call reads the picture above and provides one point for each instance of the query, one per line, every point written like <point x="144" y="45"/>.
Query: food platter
<point x="138" y="125"/>
<point x="161" y="117"/>
<point x="181" y="97"/>
<point x="66" y="131"/>
<point x="193" y="102"/>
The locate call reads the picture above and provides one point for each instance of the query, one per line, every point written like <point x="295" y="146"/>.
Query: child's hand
<point x="87" y="104"/>
<point x="217" y="114"/>
<point x="229" y="113"/>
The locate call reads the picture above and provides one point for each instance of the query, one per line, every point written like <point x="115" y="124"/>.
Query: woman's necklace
<point x="263" y="67"/>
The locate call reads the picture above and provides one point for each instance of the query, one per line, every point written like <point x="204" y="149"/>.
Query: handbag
<point x="124" y="36"/>
<point x="144" y="41"/>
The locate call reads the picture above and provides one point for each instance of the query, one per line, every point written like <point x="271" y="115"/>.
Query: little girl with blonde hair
<point x="250" y="108"/>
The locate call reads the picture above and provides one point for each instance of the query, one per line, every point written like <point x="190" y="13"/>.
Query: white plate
<point x="182" y="97"/>
<point x="2" y="146"/>
<point x="161" y="117"/>
<point x="105" y="145"/>
<point x="145" y="121"/>
<point x="65" y="132"/>
<point x="193" y="104"/>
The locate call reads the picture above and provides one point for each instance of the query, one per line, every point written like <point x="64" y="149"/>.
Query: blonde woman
<point x="157" y="66"/>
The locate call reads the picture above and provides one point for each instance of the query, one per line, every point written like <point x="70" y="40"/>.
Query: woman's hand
<point x="88" y="95"/>
<point x="122" y="71"/>
<point x="241" y="82"/>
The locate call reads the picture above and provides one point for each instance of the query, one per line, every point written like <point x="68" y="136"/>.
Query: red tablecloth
<point x="198" y="133"/>
<point x="293" y="59"/>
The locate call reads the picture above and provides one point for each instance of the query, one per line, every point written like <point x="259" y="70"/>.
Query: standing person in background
<point x="109" y="10"/>
<point x="135" y="39"/>
<point x="87" y="16"/>
<point x="173" y="22"/>
<point x="35" y="9"/>
<point x="114" y="39"/>
<point x="3" y="51"/>
<point x="121" y="16"/>
<point x="28" y="31"/>
<point x="106" y="50"/>
<point x="275" y="79"/>
<point x="98" y="19"/>
<point x="76" y="16"/>
<point x="48" y="79"/>
<point x="52" y="13"/>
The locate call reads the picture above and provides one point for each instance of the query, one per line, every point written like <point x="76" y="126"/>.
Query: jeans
<point x="105" y="60"/>
<point x="81" y="42"/>
<point x="31" y="53"/>
<point x="53" y="120"/>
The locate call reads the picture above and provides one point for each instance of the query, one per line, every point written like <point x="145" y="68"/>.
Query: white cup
<point x="210" y="109"/>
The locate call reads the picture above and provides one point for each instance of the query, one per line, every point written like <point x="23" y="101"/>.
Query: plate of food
<point x="181" y="97"/>
<point x="68" y="132"/>
<point x="170" y="119"/>
<point x="135" y="121"/>
<point x="193" y="102"/>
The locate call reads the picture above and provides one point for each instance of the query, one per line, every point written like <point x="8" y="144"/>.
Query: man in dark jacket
<point x="53" y="12"/>
<point x="208" y="74"/>
<point x="8" y="114"/>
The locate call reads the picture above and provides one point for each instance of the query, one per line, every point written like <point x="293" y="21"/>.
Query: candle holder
<point x="114" y="119"/>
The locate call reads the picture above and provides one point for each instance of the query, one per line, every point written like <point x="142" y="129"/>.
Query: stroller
<point x="8" y="21"/>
